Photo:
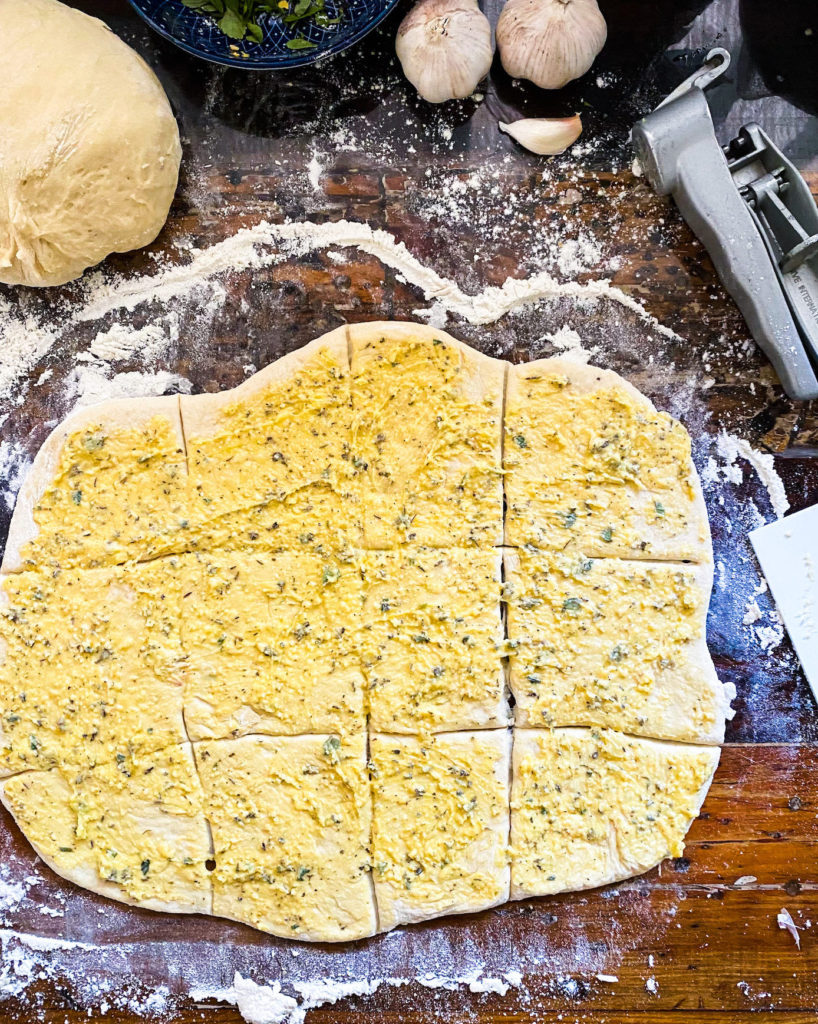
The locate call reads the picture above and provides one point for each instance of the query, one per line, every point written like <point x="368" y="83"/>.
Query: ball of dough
<point x="89" y="147"/>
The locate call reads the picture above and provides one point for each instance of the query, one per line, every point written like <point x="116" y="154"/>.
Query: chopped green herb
<point x="302" y="873"/>
<point x="238" y="19"/>
<point x="572" y="605"/>
<point x="145" y="867"/>
<point x="607" y="534"/>
<point x="660" y="508"/>
<point x="76" y="497"/>
<point x="331" y="574"/>
<point x="568" y="518"/>
<point x="332" y="744"/>
<point x="93" y="442"/>
<point x="618" y="653"/>
<point x="520" y="441"/>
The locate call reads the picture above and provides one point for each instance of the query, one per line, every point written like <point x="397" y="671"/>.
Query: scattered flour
<point x="314" y="171"/>
<point x="752" y="614"/>
<point x="752" y="611"/>
<point x="786" y="923"/>
<point x="29" y="338"/>
<point x="730" y="449"/>
<point x="569" y="343"/>
<point x="93" y="384"/>
<point x="25" y="342"/>
<point x="120" y="342"/>
<point x="769" y="637"/>
<point x="266" y="244"/>
<point x="14" y="465"/>
<point x="577" y="255"/>
<point x="267" y="1004"/>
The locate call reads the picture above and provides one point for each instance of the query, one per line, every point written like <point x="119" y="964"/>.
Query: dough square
<point x="440" y="824"/>
<point x="431" y="639"/>
<point x="132" y="830"/>
<point x="591" y="466"/>
<point x="270" y="460"/>
<point x="612" y="643"/>
<point x="291" y="819"/>
<point x="90" y="664"/>
<point x="590" y="807"/>
<point x="427" y="437"/>
<point x="108" y="486"/>
<point x="271" y="644"/>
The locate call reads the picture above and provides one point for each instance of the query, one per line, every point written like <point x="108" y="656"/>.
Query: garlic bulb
<point x="444" y="47"/>
<point x="550" y="42"/>
<point x="545" y="135"/>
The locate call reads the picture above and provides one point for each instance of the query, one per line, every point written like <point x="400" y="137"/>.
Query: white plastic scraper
<point x="788" y="553"/>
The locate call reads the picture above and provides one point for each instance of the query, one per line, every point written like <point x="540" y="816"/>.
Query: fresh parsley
<point x="241" y="19"/>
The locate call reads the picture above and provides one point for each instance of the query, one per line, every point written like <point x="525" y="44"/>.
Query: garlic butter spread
<point x="271" y="644"/>
<point x="593" y="805"/>
<point x="291" y="822"/>
<point x="431" y="639"/>
<point x="440" y="823"/>
<point x="609" y="642"/>
<point x="254" y="646"/>
<point x="273" y="468"/>
<point x="597" y="470"/>
<point x="118" y="494"/>
<point x="134" y="827"/>
<point x="92" y="668"/>
<point x="426" y="441"/>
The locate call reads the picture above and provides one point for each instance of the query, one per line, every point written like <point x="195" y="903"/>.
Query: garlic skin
<point x="444" y="47"/>
<point x="550" y="42"/>
<point x="547" y="136"/>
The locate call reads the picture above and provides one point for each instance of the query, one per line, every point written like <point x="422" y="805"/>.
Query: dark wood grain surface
<point x="703" y="927"/>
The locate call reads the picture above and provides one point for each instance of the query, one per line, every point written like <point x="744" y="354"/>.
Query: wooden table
<point x="708" y="947"/>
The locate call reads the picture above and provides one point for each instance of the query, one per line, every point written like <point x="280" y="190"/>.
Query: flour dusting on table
<point x="31" y="336"/>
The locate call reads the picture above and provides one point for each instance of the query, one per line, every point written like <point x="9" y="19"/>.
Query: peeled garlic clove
<point x="444" y="47"/>
<point x="545" y="135"/>
<point x="550" y="42"/>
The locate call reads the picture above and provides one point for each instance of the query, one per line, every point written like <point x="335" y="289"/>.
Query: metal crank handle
<point x="677" y="148"/>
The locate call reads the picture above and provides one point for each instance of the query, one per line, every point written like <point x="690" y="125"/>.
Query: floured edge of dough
<point x="583" y="379"/>
<point x="698" y="664"/>
<point x="526" y="742"/>
<point x="116" y="414"/>
<point x="202" y="414"/>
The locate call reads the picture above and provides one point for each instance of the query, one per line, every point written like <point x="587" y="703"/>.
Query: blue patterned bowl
<point x="199" y="34"/>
